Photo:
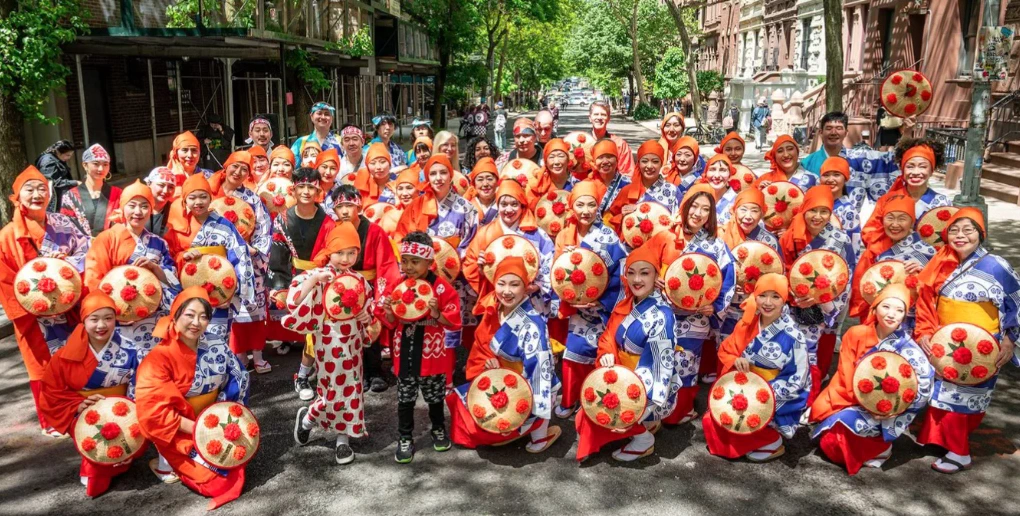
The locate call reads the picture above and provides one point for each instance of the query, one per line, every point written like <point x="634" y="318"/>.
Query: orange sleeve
<point x="98" y="260"/>
<point x="927" y="313"/>
<point x="839" y="393"/>
<point x="469" y="265"/>
<point x="480" y="349"/>
<point x="729" y="351"/>
<point x="158" y="398"/>
<point x="59" y="398"/>
<point x="616" y="209"/>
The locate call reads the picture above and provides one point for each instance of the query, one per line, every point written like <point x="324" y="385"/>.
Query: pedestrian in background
<point x="53" y="164"/>
<point x="217" y="142"/>
<point x="761" y="118"/>
<point x="499" y="117"/>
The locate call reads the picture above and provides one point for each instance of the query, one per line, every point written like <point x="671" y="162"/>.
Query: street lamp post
<point x="974" y="155"/>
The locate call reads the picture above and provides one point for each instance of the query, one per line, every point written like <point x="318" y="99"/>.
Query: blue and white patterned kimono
<point x="780" y="348"/>
<point x="930" y="199"/>
<point x="734" y="313"/>
<point x="982" y="277"/>
<point x="116" y="364"/>
<point x="648" y="332"/>
<point x="860" y="421"/>
<point x="612" y="191"/>
<point x="585" y="326"/>
<point x="244" y="307"/>
<point x="836" y="240"/>
<point x="847" y="209"/>
<point x="398" y="155"/>
<point x="912" y="249"/>
<point x="688" y="179"/>
<point x="664" y="193"/>
<point x="545" y="300"/>
<point x="522" y="339"/>
<point x="457" y="219"/>
<point x="138" y="335"/>
<point x="691" y="328"/>
<point x="803" y="178"/>
<point x="723" y="207"/>
<point x="388" y="196"/>
<point x="261" y="241"/>
<point x="217" y="368"/>
<point x="487" y="213"/>
<point x="62" y="236"/>
<point x="877" y="169"/>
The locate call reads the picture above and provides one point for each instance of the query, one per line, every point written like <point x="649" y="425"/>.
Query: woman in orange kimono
<point x="850" y="435"/>
<point x="281" y="164"/>
<point x="672" y="129"/>
<point x="685" y="164"/>
<point x="34" y="232"/>
<point x="784" y="163"/>
<point x="373" y="180"/>
<point x="184" y="157"/>
<point x="179" y="378"/>
<point x="555" y="171"/>
<point x="648" y="185"/>
<point x="484" y="180"/>
<point x="964" y="283"/>
<point x="130" y="243"/>
<point x="93" y="364"/>
<point x="406" y="188"/>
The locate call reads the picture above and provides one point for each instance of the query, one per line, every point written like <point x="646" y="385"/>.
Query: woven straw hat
<point x="136" y="292"/>
<point x="751" y="260"/>
<point x="906" y="93"/>
<point x="883" y="274"/>
<point x="524" y="171"/>
<point x="227" y="435"/>
<point x="215" y="274"/>
<point x="819" y="274"/>
<point x="580" y="139"/>
<point x="693" y="280"/>
<point x="885" y="384"/>
<point x="742" y="403"/>
<point x="782" y="202"/>
<point x="743" y="176"/>
<point x="347" y="179"/>
<point x="613" y="397"/>
<point x="447" y="262"/>
<point x="375" y="211"/>
<point x="107" y="432"/>
<point x="278" y="194"/>
<point x="649" y="219"/>
<point x="461" y="183"/>
<point x="411" y="299"/>
<point x="47" y="286"/>
<point x="500" y="400"/>
<point x="964" y="354"/>
<point x="580" y="276"/>
<point x="931" y="224"/>
<point x="345" y="297"/>
<point x="238" y="213"/>
<point x="552" y="211"/>
<point x="505" y="247"/>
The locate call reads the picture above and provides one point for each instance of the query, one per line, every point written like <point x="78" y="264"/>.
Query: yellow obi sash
<point x="556" y="347"/>
<point x="309" y="345"/>
<point x="767" y="374"/>
<point x="202" y="400"/>
<point x="116" y="390"/>
<point x="517" y="367"/>
<point x="983" y="314"/>
<point x="369" y="274"/>
<point x="218" y="250"/>
<point x="303" y="265"/>
<point x="628" y="360"/>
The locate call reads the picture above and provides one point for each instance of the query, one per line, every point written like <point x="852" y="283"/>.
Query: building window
<point x="885" y="21"/>
<point x="969" y="18"/>
<point x="805" y="44"/>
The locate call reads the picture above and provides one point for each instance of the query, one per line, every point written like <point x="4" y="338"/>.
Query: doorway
<point x="97" y="112"/>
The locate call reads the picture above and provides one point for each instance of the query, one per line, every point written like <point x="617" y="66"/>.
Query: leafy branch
<point x="355" y="45"/>
<point x="298" y="60"/>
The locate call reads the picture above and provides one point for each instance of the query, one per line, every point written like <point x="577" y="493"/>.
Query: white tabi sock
<point x="962" y="459"/>
<point x="764" y="452"/>
<point x="163" y="465"/>
<point x="641" y="441"/>
<point x="541" y="432"/>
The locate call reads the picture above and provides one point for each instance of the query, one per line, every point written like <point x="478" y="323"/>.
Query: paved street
<point x="39" y="475"/>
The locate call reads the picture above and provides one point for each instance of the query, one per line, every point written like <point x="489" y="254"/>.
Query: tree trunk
<point x="638" y="77"/>
<point x="12" y="125"/>
<point x="498" y="95"/>
<point x="692" y="74"/>
<point x="833" y="54"/>
<point x="630" y="89"/>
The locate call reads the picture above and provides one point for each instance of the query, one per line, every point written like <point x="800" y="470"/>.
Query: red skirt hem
<point x="848" y="449"/>
<point x="591" y="437"/>
<point x="684" y="405"/>
<point x="220" y="489"/>
<point x="572" y="378"/>
<point x="465" y="432"/>
<point x="950" y="430"/>
<point x="723" y="443"/>
<point x="246" y="337"/>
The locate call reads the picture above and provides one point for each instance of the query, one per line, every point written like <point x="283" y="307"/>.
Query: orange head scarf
<point x="893" y="291"/>
<point x="651" y="147"/>
<point x="342" y="236"/>
<point x="603" y="147"/>
<point x="137" y="189"/>
<point x="28" y="224"/>
<point x="836" y="164"/>
<point x="674" y="175"/>
<point x="165" y="327"/>
<point x="798" y="236"/>
<point x="731" y="137"/>
<point x="485" y="165"/>
<point x="283" y="152"/>
<point x="78" y="341"/>
<point x="607" y="341"/>
<point x="183" y="140"/>
<point x="243" y="157"/>
<point x="409" y="176"/>
<point x="729" y="166"/>
<point x="512" y="265"/>
<point x="180" y="219"/>
<point x="586" y="188"/>
<point x="422" y="140"/>
<point x="556" y="144"/>
<point x="513" y="189"/>
<point x="255" y="150"/>
<point x="935" y="274"/>
<point x="94" y="302"/>
<point x="378" y="150"/>
<point x="749" y="325"/>
<point x="327" y="155"/>
<point x="776" y="173"/>
<point x="363" y="180"/>
<point x="732" y="233"/>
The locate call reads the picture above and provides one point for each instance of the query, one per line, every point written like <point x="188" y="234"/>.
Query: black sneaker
<point x="379" y="385"/>
<point x="301" y="436"/>
<point x="344" y="454"/>
<point x="405" y="451"/>
<point x="441" y="441"/>
<point x="303" y="388"/>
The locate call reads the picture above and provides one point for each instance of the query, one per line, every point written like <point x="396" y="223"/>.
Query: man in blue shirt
<point x="869" y="169"/>
<point x="760" y="121"/>
<point x="322" y="132"/>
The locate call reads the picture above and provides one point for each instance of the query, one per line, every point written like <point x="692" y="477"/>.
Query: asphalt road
<point x="39" y="475"/>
